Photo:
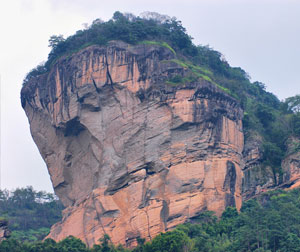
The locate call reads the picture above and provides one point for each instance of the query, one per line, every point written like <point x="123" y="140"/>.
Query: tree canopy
<point x="268" y="223"/>
<point x="30" y="214"/>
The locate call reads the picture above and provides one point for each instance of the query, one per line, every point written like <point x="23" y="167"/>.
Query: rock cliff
<point x="129" y="153"/>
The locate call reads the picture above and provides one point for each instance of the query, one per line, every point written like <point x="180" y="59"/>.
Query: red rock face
<point x="291" y="164"/>
<point x="128" y="154"/>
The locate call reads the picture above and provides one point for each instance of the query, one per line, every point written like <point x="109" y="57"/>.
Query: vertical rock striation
<point x="128" y="154"/>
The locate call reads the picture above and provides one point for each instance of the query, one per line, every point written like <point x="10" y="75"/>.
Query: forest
<point x="270" y="222"/>
<point x="30" y="214"/>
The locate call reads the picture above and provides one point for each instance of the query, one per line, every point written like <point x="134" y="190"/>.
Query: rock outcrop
<point x="130" y="155"/>
<point x="291" y="164"/>
<point x="4" y="231"/>
<point x="259" y="178"/>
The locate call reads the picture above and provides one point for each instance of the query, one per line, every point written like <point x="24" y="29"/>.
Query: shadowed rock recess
<point x="130" y="155"/>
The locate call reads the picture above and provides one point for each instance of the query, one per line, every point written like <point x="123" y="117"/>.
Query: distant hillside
<point x="29" y="213"/>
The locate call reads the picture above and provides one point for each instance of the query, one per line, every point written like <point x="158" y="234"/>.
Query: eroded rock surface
<point x="128" y="154"/>
<point x="291" y="164"/>
<point x="257" y="177"/>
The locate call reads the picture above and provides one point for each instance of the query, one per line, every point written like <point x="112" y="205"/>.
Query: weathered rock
<point x="257" y="177"/>
<point x="291" y="164"/>
<point x="128" y="154"/>
<point x="4" y="231"/>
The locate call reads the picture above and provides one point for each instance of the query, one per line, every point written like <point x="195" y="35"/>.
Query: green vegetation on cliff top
<point x="264" y="114"/>
<point x="265" y="224"/>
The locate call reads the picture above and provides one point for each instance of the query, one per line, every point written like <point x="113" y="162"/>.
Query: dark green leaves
<point x="30" y="214"/>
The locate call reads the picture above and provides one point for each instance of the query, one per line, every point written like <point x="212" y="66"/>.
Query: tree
<point x="11" y="245"/>
<point x="149" y="15"/>
<point x="290" y="243"/>
<point x="72" y="244"/>
<point x="119" y="17"/>
<point x="30" y="213"/>
<point x="55" y="40"/>
<point x="175" y="241"/>
<point x="293" y="104"/>
<point x="265" y="115"/>
<point x="40" y="69"/>
<point x="295" y="124"/>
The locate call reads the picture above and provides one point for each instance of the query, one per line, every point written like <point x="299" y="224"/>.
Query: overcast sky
<point x="261" y="36"/>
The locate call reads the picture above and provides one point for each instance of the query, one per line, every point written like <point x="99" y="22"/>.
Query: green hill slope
<point x="30" y="214"/>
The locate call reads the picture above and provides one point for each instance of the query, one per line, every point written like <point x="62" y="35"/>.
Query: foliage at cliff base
<point x="270" y="222"/>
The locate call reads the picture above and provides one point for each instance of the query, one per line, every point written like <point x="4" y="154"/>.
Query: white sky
<point x="261" y="36"/>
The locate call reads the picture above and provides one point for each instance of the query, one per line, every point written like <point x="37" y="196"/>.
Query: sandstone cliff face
<point x="128" y="154"/>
